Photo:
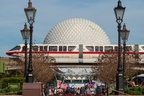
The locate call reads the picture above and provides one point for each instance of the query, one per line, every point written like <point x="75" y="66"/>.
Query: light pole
<point x="25" y="34"/>
<point x="30" y="14"/>
<point x="124" y="35"/>
<point x="119" y="13"/>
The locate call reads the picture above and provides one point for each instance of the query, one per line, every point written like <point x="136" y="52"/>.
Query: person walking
<point x="68" y="91"/>
<point x="87" y="91"/>
<point x="78" y="91"/>
<point x="60" y="91"/>
<point x="46" y="91"/>
<point x="98" y="91"/>
<point x="55" y="91"/>
<point x="82" y="91"/>
<point x="103" y="91"/>
<point x="92" y="91"/>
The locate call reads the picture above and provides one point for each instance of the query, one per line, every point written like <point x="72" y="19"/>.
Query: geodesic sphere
<point x="77" y="31"/>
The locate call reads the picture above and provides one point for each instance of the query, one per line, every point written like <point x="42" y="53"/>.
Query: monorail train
<point x="79" y="53"/>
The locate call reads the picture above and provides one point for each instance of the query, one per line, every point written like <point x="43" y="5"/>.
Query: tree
<point x="43" y="67"/>
<point x="107" y="68"/>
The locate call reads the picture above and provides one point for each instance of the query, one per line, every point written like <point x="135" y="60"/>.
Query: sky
<point x="51" y="12"/>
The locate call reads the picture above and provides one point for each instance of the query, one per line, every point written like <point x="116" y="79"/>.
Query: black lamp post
<point x="25" y="34"/>
<point x="124" y="35"/>
<point x="119" y="13"/>
<point x="30" y="14"/>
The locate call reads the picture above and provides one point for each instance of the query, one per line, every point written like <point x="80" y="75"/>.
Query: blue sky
<point x="51" y="12"/>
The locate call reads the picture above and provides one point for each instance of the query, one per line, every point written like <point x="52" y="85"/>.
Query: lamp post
<point x="25" y="34"/>
<point x="30" y="14"/>
<point x="124" y="35"/>
<point x="119" y="13"/>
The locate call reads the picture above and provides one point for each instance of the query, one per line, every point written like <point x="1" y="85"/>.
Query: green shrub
<point x="134" y="90"/>
<point x="8" y="90"/>
<point x="2" y="91"/>
<point x="7" y="80"/>
<point x="12" y="85"/>
<point x="5" y="90"/>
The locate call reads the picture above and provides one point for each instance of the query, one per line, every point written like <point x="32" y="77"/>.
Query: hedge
<point x="139" y="90"/>
<point x="7" y="80"/>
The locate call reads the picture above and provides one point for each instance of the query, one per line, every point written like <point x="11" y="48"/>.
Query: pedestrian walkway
<point x="108" y="95"/>
<point x="10" y="95"/>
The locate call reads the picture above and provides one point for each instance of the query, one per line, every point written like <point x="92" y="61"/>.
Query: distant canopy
<point x="2" y="67"/>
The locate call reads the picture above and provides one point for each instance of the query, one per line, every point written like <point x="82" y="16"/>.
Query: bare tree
<point x="107" y="68"/>
<point x="43" y="67"/>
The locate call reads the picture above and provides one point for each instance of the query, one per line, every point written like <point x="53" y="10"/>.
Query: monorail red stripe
<point x="11" y="53"/>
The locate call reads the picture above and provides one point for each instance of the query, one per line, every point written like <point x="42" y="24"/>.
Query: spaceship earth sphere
<point x="77" y="31"/>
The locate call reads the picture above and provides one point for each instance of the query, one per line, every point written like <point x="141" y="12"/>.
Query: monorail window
<point x="35" y="48"/>
<point x="90" y="48"/>
<point x="60" y="48"/>
<point x="128" y="48"/>
<point x="15" y="48"/>
<point x="116" y="48"/>
<point x="101" y="48"/>
<point x="52" y="48"/>
<point x="108" y="48"/>
<point x="23" y="48"/>
<point x="142" y="47"/>
<point x="64" y="48"/>
<point x="45" y="48"/>
<point x="96" y="48"/>
<point x="71" y="48"/>
<point x="41" y="48"/>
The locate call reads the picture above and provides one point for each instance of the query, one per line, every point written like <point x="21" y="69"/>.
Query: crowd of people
<point x="74" y="91"/>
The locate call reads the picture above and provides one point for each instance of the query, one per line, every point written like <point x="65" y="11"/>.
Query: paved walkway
<point x="10" y="95"/>
<point x="108" y="95"/>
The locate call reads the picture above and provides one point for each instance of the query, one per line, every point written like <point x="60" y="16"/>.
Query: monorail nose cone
<point x="8" y="53"/>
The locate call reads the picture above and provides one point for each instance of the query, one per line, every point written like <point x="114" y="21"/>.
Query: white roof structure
<point x="76" y="31"/>
<point x="75" y="73"/>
